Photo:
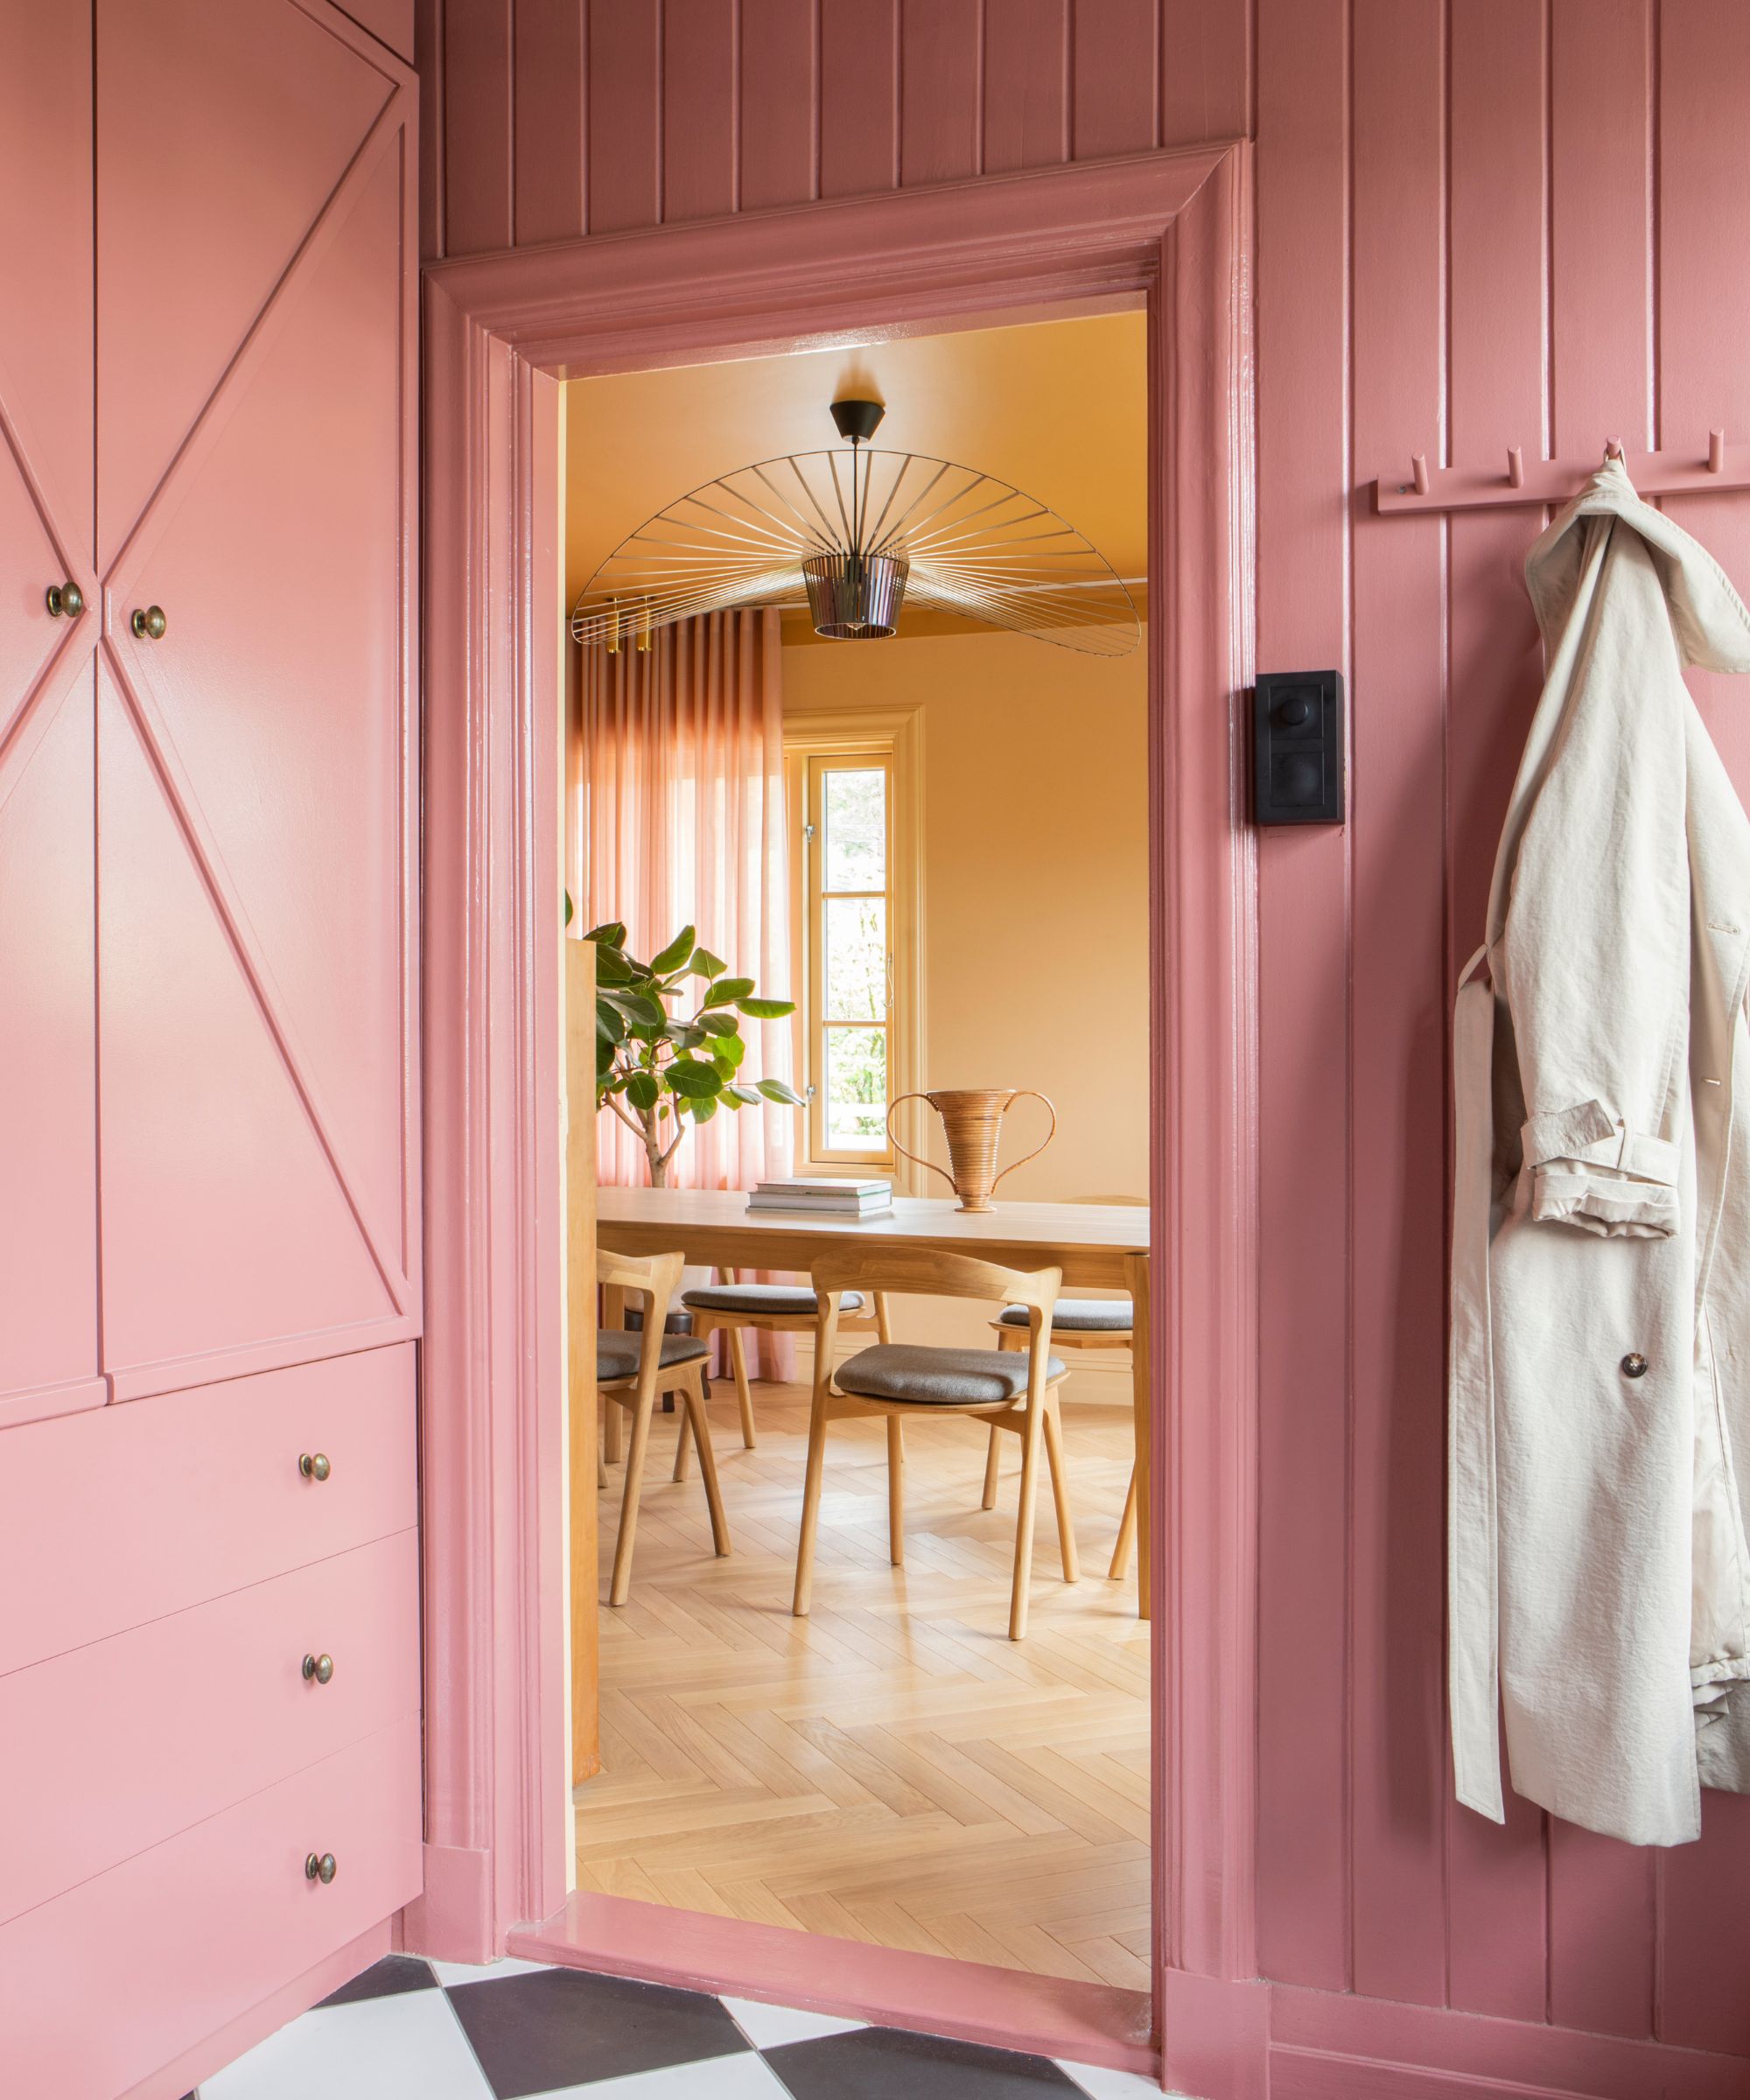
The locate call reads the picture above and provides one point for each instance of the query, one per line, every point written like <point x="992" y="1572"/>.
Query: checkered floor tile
<point x="414" y="2030"/>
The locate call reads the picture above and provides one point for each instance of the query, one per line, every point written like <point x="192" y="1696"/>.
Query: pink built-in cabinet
<point x="209" y="1227"/>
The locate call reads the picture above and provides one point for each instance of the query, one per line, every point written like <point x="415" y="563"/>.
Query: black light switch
<point x="1298" y="747"/>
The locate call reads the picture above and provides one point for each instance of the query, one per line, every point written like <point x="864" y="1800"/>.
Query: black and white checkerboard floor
<point x="414" y="2030"/>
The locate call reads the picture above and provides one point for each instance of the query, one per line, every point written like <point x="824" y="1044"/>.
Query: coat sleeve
<point x="1595" y="950"/>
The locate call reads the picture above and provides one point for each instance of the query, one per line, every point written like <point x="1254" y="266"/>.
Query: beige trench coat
<point x="1599" y="1401"/>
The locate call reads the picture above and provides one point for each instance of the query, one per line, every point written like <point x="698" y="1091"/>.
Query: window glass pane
<point x="854" y="955"/>
<point x="854" y="820"/>
<point x="856" y="1088"/>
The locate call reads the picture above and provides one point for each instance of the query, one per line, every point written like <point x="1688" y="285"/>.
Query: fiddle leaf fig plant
<point x="659" y="1070"/>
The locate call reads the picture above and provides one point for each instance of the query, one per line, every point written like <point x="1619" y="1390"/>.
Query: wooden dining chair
<point x="633" y="1368"/>
<point x="894" y="1380"/>
<point x="1078" y="1323"/>
<point x="733" y="1308"/>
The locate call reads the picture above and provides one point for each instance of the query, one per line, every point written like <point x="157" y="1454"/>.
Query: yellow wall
<point x="1035" y="910"/>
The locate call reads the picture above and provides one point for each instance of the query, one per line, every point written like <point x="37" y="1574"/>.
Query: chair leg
<point x="611" y="1435"/>
<point x="601" y="1463"/>
<point x="1053" y="1426"/>
<point x="1024" y="1525"/>
<point x="738" y="1363"/>
<point x="990" y="1502"/>
<point x="811" y="1495"/>
<point x="621" y="1587"/>
<point x="1127" y="1534"/>
<point x="884" y="1325"/>
<point x="702" y="1437"/>
<point x="683" y="1441"/>
<point x="896" y="1491"/>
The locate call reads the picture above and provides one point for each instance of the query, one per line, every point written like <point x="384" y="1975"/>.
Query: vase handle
<point x="900" y="1149"/>
<point x="1021" y="1094"/>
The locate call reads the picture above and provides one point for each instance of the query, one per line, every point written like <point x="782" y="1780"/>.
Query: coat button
<point x="1635" y="1365"/>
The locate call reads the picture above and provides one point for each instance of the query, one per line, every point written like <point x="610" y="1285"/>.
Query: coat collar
<point x="1708" y="618"/>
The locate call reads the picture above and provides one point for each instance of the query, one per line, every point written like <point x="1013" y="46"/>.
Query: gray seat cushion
<point x="1080" y="1315"/>
<point x="617" y="1353"/>
<point x="900" y="1370"/>
<point x="764" y="1298"/>
<point x="677" y="1322"/>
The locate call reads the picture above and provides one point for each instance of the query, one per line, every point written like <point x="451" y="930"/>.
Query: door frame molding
<point x="1170" y="229"/>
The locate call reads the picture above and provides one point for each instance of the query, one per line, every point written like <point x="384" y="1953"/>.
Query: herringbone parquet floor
<point x="893" y="1769"/>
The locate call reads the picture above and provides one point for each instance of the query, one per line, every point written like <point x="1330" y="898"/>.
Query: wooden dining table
<point x="1098" y="1246"/>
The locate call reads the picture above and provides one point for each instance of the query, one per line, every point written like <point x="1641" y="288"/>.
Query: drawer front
<point x="125" y="1514"/>
<point x="119" y="1744"/>
<point x="123" y="1974"/>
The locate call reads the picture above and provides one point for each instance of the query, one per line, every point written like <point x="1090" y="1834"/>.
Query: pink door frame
<point x="1174" y="228"/>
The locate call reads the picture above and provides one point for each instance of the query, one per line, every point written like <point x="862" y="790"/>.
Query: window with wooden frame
<point x="855" y="902"/>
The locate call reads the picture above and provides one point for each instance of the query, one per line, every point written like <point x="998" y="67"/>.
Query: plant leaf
<point x="611" y="933"/>
<point x="610" y="1023"/>
<point x="694" y="1080"/>
<point x="612" y="967"/>
<point x="704" y="964"/>
<point x="766" y="1010"/>
<point x="776" y="1089"/>
<point x="749" y="1094"/>
<point x="638" y="1007"/>
<point x="603" y="1059"/>
<point x="684" y="1036"/>
<point x="702" y="1110"/>
<point x="642" y="1088"/>
<point x="719" y="1024"/>
<point x="676" y="954"/>
<point x="726" y="990"/>
<point x="571" y="909"/>
<point x="728" y="1051"/>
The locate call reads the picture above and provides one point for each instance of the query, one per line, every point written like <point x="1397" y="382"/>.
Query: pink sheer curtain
<point x="675" y="780"/>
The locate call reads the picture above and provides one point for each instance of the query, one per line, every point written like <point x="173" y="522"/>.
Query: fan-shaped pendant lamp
<point x="857" y="534"/>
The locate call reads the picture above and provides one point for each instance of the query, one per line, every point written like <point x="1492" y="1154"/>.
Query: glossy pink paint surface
<point x="208" y="1063"/>
<point x="117" y="1746"/>
<point x="48" y="1314"/>
<point x="1478" y="226"/>
<point x="121" y="1514"/>
<point x="183" y="1938"/>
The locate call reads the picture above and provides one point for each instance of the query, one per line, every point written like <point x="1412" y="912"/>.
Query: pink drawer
<point x="125" y="1514"/>
<point x="118" y="1744"/>
<point x="121" y="1975"/>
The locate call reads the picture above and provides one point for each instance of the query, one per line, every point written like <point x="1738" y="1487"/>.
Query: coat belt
<point x="1472" y="1528"/>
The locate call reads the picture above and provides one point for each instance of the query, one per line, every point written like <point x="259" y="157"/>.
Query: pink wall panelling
<point x="1479" y="225"/>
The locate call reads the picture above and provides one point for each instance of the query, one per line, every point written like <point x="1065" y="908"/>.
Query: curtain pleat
<point x="674" y="773"/>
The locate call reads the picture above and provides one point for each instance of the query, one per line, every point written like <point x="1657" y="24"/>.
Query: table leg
<point x="1136" y="1277"/>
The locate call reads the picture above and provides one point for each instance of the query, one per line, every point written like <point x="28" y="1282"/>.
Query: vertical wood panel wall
<point x="1481" y="223"/>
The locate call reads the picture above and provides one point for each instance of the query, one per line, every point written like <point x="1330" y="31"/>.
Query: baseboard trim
<point x="1327" y="2047"/>
<point x="452" y="1919"/>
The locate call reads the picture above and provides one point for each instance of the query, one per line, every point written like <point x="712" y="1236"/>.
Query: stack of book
<point x="825" y="1196"/>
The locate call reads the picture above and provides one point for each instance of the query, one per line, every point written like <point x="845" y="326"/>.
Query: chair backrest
<point x="927" y="1272"/>
<point x="654" y="1277"/>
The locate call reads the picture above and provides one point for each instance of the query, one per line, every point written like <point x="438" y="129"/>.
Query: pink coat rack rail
<point x="1668" y="473"/>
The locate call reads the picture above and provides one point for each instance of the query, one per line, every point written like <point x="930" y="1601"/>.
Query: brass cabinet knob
<point x="320" y="1867"/>
<point x="314" y="1466"/>
<point x="65" y="601"/>
<point x="317" y="1668"/>
<point x="149" y="626"/>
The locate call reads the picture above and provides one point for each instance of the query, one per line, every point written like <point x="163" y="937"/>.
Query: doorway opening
<point x="933" y="850"/>
<point x="501" y="334"/>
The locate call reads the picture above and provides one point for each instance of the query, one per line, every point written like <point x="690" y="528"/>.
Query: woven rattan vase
<point x="972" y="1121"/>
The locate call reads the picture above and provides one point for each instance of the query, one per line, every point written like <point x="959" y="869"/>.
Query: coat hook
<point x="1612" y="448"/>
<point x="1515" y="467"/>
<point x="1716" y="451"/>
<point x="1418" y="472"/>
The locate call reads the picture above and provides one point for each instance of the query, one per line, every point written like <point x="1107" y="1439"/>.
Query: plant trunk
<point x="658" y="1171"/>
